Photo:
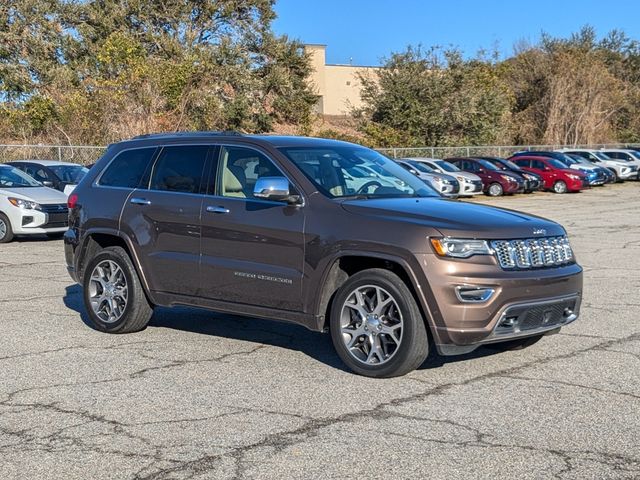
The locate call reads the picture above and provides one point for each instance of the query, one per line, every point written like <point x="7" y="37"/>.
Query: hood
<point x="455" y="219"/>
<point x="587" y="168"/>
<point x="471" y="177"/>
<point x="35" y="194"/>
<point x="573" y="171"/>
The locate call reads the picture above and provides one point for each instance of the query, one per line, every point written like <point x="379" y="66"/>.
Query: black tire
<point x="495" y="190"/>
<point x="138" y="310"/>
<point x="414" y="344"/>
<point x="560" y="187"/>
<point x="517" y="344"/>
<point x="55" y="236"/>
<point x="6" y="233"/>
<point x="616" y="178"/>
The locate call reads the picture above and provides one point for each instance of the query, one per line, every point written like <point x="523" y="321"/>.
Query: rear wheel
<point x="560" y="187"/>
<point x="6" y="232"/>
<point x="376" y="326"/>
<point x="113" y="294"/>
<point x="495" y="190"/>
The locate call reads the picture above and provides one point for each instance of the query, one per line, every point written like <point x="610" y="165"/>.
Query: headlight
<point x="26" y="204"/>
<point x="508" y="178"/>
<point x="460" y="248"/>
<point x="460" y="179"/>
<point x="573" y="177"/>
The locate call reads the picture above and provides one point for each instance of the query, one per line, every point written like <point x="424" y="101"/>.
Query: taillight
<point x="72" y="201"/>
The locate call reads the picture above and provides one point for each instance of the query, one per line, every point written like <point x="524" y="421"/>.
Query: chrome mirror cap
<point x="272" y="188"/>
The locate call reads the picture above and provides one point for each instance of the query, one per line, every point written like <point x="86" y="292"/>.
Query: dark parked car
<point x="495" y="181"/>
<point x="532" y="181"/>
<point x="62" y="176"/>
<point x="556" y="176"/>
<point x="275" y="227"/>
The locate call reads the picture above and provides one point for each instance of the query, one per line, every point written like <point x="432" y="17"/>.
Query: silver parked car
<point x="445" y="184"/>
<point x="622" y="169"/>
<point x="470" y="183"/>
<point x="629" y="156"/>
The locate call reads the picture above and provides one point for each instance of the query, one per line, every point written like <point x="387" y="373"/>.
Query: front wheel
<point x="560" y="187"/>
<point x="6" y="232"/>
<point x="495" y="190"/>
<point x="376" y="326"/>
<point x="113" y="295"/>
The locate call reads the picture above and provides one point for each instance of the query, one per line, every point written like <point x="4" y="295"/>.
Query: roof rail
<point x="187" y="134"/>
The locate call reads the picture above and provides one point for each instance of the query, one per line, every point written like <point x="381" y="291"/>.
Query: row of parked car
<point x="560" y="171"/>
<point x="33" y="193"/>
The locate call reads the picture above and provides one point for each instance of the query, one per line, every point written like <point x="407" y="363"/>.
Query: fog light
<point x="470" y="294"/>
<point x="27" y="220"/>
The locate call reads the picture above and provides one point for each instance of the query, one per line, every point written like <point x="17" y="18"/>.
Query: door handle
<point x="213" y="209"/>
<point x="140" y="201"/>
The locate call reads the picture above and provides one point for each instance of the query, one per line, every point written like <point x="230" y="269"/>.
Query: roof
<point x="47" y="163"/>
<point x="274" y="140"/>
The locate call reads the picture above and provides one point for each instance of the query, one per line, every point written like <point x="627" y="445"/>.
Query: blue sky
<point x="367" y="30"/>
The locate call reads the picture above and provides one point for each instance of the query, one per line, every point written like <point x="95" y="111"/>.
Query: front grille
<point x="60" y="208"/>
<point x="543" y="316"/>
<point x="533" y="252"/>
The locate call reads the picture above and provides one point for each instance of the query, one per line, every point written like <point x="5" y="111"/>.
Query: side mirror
<point x="48" y="183"/>
<point x="274" y="188"/>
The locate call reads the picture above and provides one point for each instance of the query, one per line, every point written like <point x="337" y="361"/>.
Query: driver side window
<point x="241" y="169"/>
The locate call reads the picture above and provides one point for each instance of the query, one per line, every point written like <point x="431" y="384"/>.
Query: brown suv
<point x="323" y="233"/>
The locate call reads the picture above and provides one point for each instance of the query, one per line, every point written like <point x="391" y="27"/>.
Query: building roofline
<point x="351" y="66"/>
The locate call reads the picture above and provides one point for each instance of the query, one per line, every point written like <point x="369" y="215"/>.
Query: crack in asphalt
<point x="281" y="440"/>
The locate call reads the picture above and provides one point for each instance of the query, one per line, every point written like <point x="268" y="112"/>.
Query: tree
<point x="435" y="98"/>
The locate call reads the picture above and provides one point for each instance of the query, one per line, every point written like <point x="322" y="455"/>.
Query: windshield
<point x="12" y="177"/>
<point x="602" y="156"/>
<point x="579" y="159"/>
<point x="71" y="174"/>
<point x="421" y="167"/>
<point x="447" y="166"/>
<point x="328" y="168"/>
<point x="487" y="165"/>
<point x="555" y="163"/>
<point x="510" y="164"/>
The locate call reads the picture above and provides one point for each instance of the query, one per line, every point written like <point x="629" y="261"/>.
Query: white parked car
<point x="622" y="169"/>
<point x="63" y="176"/>
<point x="445" y="185"/>
<point x="470" y="183"/>
<point x="27" y="207"/>
<point x="630" y="157"/>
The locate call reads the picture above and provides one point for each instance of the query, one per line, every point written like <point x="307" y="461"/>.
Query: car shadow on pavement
<point x="269" y="332"/>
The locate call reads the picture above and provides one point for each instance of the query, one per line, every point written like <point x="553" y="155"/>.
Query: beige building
<point x="338" y="85"/>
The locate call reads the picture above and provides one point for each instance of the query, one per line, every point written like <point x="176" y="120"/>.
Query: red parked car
<point x="495" y="181"/>
<point x="556" y="176"/>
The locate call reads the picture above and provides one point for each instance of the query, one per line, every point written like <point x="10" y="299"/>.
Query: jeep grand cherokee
<point x="276" y="227"/>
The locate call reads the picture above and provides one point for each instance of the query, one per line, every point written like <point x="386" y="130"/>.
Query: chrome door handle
<point x="140" y="201"/>
<point x="213" y="209"/>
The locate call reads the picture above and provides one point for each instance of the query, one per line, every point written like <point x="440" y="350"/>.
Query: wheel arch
<point x="345" y="264"/>
<point x="99" y="239"/>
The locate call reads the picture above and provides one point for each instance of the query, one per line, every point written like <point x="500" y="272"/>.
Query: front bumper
<point x="469" y="325"/>
<point x="34" y="222"/>
<point x="471" y="188"/>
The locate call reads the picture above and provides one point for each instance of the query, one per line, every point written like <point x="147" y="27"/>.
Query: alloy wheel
<point x="108" y="292"/>
<point x="371" y="325"/>
<point x="495" y="190"/>
<point x="3" y="229"/>
<point x="560" y="187"/>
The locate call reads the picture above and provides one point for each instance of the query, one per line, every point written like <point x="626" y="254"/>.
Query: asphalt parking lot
<point x="202" y="395"/>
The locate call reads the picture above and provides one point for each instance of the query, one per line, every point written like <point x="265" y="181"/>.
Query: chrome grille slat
<point x="532" y="252"/>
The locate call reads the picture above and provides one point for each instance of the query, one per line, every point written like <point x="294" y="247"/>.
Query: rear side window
<point x="128" y="168"/>
<point x="180" y="169"/>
